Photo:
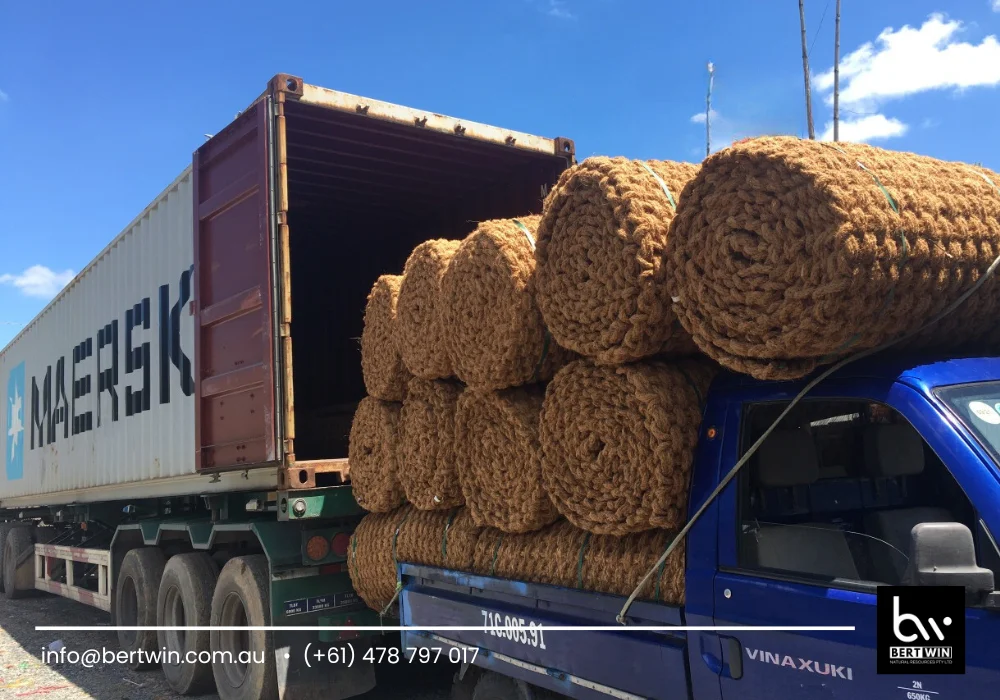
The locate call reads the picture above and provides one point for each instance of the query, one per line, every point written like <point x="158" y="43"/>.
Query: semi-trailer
<point x="177" y="417"/>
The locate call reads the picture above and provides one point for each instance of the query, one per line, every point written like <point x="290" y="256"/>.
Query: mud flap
<point x="324" y="680"/>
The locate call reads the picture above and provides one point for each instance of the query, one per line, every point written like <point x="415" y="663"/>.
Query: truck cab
<point x="824" y="514"/>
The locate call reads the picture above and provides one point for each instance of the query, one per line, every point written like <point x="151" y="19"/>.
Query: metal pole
<point x="708" y="110"/>
<point x="836" y="78"/>
<point x="805" y="70"/>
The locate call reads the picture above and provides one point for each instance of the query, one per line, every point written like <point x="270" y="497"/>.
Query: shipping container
<point x="213" y="345"/>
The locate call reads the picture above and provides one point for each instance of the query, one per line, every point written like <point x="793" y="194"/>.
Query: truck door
<point x="822" y="516"/>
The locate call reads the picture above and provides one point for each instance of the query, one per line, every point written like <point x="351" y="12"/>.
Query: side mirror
<point x="944" y="554"/>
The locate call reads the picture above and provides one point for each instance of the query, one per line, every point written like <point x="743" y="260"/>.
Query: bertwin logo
<point x="921" y="629"/>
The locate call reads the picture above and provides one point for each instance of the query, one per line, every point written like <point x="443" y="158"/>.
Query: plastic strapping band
<point x="904" y="256"/>
<point x="666" y="190"/>
<point x="496" y="553"/>
<point x="527" y="233"/>
<point x="984" y="176"/>
<point x="546" y="343"/>
<point x="444" y="536"/>
<point x="395" y="564"/>
<point x="579" y="561"/>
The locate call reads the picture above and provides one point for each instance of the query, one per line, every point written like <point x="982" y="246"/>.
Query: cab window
<point x="834" y="491"/>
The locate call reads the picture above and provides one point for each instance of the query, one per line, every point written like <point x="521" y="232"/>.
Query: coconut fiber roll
<point x="786" y="253"/>
<point x="618" y="442"/>
<point x="419" y="329"/>
<point x="373" y="455"/>
<point x="372" y="556"/>
<point x="427" y="444"/>
<point x="439" y="538"/>
<point x="384" y="373"/>
<point x="493" y="328"/>
<point x="600" y="259"/>
<point x="564" y="555"/>
<point x="499" y="459"/>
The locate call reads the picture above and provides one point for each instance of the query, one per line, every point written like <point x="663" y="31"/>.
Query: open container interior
<point x="363" y="192"/>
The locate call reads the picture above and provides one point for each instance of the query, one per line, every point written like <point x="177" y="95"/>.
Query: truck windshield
<point x="977" y="406"/>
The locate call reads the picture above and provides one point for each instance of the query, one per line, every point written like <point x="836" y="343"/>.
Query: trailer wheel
<point x="243" y="599"/>
<point x="185" y="599"/>
<point x="17" y="581"/>
<point x="135" y="603"/>
<point x="4" y="529"/>
<point x="493" y="686"/>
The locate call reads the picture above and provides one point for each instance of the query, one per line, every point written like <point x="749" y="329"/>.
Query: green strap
<point x="666" y="190"/>
<point x="904" y="256"/>
<point x="496" y="552"/>
<point x="659" y="577"/>
<point x="527" y="233"/>
<point x="579" y="561"/>
<point x="444" y="536"/>
<point x="546" y="344"/>
<point x="395" y="536"/>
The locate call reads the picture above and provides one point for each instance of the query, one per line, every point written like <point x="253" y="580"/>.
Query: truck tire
<point x="185" y="598"/>
<point x="17" y="582"/>
<point x="243" y="599"/>
<point x="135" y="603"/>
<point x="4" y="529"/>
<point x="493" y="686"/>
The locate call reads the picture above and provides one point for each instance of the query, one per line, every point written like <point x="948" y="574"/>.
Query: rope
<point x="663" y="185"/>
<point x="395" y="564"/>
<point x="621" y="618"/>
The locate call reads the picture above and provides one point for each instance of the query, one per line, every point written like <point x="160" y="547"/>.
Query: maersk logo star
<point x="14" y="454"/>
<point x="16" y="423"/>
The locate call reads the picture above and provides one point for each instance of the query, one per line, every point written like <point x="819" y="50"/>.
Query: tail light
<point x="317" y="548"/>
<point x="339" y="544"/>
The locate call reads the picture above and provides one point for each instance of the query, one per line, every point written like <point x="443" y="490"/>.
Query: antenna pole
<point x="805" y="70"/>
<point x="836" y="78"/>
<point x="708" y="110"/>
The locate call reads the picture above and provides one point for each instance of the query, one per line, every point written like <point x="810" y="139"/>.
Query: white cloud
<point x="872" y="127"/>
<point x="39" y="281"/>
<point x="699" y="118"/>
<point x="4" y="98"/>
<point x="558" y="9"/>
<point x="996" y="5"/>
<point x="909" y="61"/>
<point x="905" y="62"/>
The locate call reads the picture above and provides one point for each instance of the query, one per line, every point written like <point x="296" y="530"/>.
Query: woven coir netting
<point x="600" y="259"/>
<point x="373" y="455"/>
<point x="372" y="556"/>
<point x="427" y="444"/>
<point x="439" y="538"/>
<point x="618" y="442"/>
<point x="384" y="373"/>
<point x="382" y="540"/>
<point x="493" y="329"/>
<point x="564" y="555"/>
<point x="788" y="253"/>
<point x="499" y="459"/>
<point x="419" y="329"/>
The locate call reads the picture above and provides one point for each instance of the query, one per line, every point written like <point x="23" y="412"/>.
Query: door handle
<point x="733" y="665"/>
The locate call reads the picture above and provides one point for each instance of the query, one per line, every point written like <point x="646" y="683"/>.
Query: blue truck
<point x="885" y="474"/>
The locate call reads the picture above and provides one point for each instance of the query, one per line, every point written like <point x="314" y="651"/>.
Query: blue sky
<point x="101" y="104"/>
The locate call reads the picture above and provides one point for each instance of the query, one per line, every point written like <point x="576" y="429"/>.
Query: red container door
<point x="237" y="419"/>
